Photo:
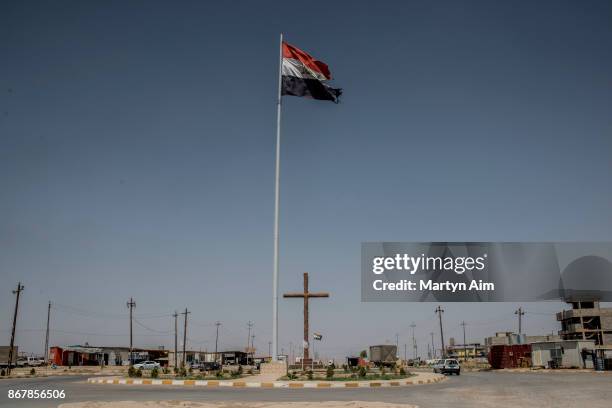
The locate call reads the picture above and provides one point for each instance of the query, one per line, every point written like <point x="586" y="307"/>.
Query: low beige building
<point x="563" y="354"/>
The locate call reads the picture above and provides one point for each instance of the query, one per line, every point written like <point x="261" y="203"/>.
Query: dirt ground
<point x="192" y="404"/>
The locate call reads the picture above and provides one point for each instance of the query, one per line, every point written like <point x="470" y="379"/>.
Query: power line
<point x="150" y="329"/>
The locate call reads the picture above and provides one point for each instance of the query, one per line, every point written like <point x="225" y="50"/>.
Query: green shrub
<point x="329" y="373"/>
<point x="345" y="368"/>
<point x="383" y="371"/>
<point x="139" y="373"/>
<point x="362" y="371"/>
<point x="176" y="370"/>
<point x="309" y="374"/>
<point x="131" y="371"/>
<point x="165" y="370"/>
<point x="219" y="374"/>
<point x="402" y="371"/>
<point x="32" y="372"/>
<point x="154" y="373"/>
<point x="239" y="370"/>
<point x="291" y="375"/>
<point x="2" y="373"/>
<point x="183" y="372"/>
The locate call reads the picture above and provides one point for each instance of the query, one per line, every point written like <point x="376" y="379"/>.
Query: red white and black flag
<point x="302" y="75"/>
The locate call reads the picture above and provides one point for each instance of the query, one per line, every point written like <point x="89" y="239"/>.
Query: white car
<point x="147" y="365"/>
<point x="437" y="365"/>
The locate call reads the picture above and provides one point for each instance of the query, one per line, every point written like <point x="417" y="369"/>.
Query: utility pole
<point x="186" y="312"/>
<point x="175" y="315"/>
<point x="249" y="325"/>
<point x="464" y="344"/>
<point x="397" y="345"/>
<point x="439" y="311"/>
<point x="17" y="292"/>
<point x="131" y="305"/>
<point x="217" y="323"/>
<point x="412" y="325"/>
<point x="405" y="356"/>
<point x="520" y="313"/>
<point x="270" y="348"/>
<point x="47" y="334"/>
<point x="433" y="348"/>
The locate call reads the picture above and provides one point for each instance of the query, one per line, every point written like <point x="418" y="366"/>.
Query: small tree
<point x="330" y="372"/>
<point x="131" y="371"/>
<point x="363" y="354"/>
<point x="402" y="371"/>
<point x="154" y="373"/>
<point x="139" y="373"/>
<point x="32" y="372"/>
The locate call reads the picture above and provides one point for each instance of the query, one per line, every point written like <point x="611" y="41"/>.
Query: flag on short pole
<point x="305" y="76"/>
<point x="317" y="336"/>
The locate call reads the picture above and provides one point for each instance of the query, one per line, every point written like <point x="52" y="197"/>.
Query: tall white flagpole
<point x="276" y="207"/>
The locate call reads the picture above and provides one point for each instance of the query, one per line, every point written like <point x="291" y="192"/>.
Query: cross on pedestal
<point x="306" y="295"/>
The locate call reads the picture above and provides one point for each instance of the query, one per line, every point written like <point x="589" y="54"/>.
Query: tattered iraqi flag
<point x="305" y="76"/>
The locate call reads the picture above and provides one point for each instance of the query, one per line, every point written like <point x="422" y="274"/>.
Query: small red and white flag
<point x="302" y="75"/>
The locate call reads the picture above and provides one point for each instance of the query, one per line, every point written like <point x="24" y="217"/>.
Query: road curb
<point x="436" y="378"/>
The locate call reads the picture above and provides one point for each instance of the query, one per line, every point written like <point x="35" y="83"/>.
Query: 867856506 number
<point x="36" y="394"/>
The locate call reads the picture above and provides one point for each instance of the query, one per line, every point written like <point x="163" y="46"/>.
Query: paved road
<point x="466" y="391"/>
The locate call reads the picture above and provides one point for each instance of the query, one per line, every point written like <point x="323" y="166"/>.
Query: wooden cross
<point x="306" y="295"/>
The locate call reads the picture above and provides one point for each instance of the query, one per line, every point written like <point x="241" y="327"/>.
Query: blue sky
<point x="137" y="158"/>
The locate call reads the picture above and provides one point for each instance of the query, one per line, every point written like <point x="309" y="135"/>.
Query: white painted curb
<point x="433" y="378"/>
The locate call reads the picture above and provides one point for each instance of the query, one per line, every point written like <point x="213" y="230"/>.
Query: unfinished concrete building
<point x="587" y="321"/>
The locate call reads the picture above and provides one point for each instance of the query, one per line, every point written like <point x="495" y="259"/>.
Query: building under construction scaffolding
<point x="586" y="320"/>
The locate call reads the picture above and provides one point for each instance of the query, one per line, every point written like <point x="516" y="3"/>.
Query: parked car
<point x="22" y="362"/>
<point x="447" y="366"/>
<point x="35" y="361"/>
<point x="147" y="365"/>
<point x="437" y="364"/>
<point x="210" y="366"/>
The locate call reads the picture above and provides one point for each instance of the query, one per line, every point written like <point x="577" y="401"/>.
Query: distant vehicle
<point x="383" y="355"/>
<point x="35" y="361"/>
<point x="210" y="366"/>
<point x="147" y="365"/>
<point x="447" y="366"/>
<point x="437" y="364"/>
